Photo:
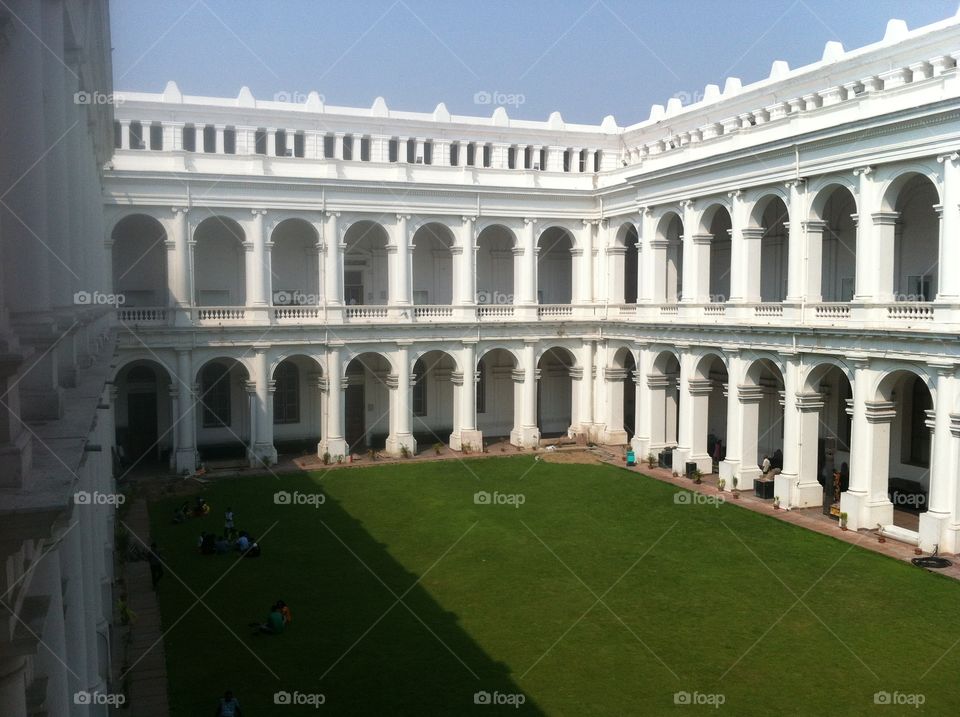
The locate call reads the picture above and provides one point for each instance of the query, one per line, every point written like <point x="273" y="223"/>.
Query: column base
<point x="745" y="477"/>
<point x="336" y="447"/>
<point x="862" y="513"/>
<point x="615" y="437"/>
<point x="525" y="437"/>
<point x="262" y="455"/>
<point x="641" y="447"/>
<point x="682" y="456"/>
<point x="796" y="494"/>
<point x="16" y="459"/>
<point x="185" y="460"/>
<point x="468" y="441"/>
<point x="397" y="443"/>
<point x="951" y="538"/>
<point x="934" y="531"/>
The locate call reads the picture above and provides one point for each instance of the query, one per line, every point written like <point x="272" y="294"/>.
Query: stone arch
<point x="294" y="263"/>
<point x="432" y="263"/>
<point x="219" y="260"/>
<point x="496" y="243"/>
<point x="139" y="260"/>
<point x="366" y="274"/>
<point x="555" y="265"/>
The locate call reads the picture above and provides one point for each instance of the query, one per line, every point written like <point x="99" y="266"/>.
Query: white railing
<point x="714" y="309"/>
<point x="365" y="312"/>
<point x="832" y="311"/>
<point x="142" y="315"/>
<point x="220" y="313"/>
<point x="910" y="311"/>
<point x="768" y="310"/>
<point x="432" y="312"/>
<point x="298" y="313"/>
<point x="554" y="311"/>
<point x="627" y="310"/>
<point x="494" y="311"/>
<point x="669" y="310"/>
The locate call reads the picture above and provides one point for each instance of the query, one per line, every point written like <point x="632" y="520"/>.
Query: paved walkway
<point x="809" y="518"/>
<point x="148" y="675"/>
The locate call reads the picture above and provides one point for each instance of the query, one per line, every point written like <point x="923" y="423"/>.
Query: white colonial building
<point x="775" y="267"/>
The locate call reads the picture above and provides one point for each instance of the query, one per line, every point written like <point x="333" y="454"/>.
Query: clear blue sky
<point x="585" y="58"/>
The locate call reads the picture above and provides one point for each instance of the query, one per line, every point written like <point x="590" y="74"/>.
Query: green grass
<point x="699" y="612"/>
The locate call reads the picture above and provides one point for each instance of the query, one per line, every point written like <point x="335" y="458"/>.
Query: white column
<point x="333" y="278"/>
<point x="467" y="262"/>
<point x="797" y="485"/>
<point x="866" y="501"/>
<point x="333" y="441"/>
<point x="796" y="243"/>
<point x="584" y="418"/>
<point x="527" y="274"/>
<point x="466" y="432"/>
<point x="941" y="495"/>
<point x="399" y="383"/>
<point x="585" y="294"/>
<point x="528" y="433"/>
<point x="178" y="260"/>
<point x="642" y="433"/>
<point x="256" y="261"/>
<point x="186" y="418"/>
<point x="867" y="264"/>
<point x="262" y="415"/>
<point x="399" y="251"/>
<point x="948" y="280"/>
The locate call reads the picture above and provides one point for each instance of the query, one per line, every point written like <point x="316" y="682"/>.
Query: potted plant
<point x="326" y="458"/>
<point x="437" y="448"/>
<point x="373" y="454"/>
<point x="720" y="484"/>
<point x="676" y="475"/>
<point x="736" y="493"/>
<point x="339" y="459"/>
<point x="776" y="502"/>
<point x="698" y="476"/>
<point x="843" y="520"/>
<point x="404" y="452"/>
<point x="652" y="461"/>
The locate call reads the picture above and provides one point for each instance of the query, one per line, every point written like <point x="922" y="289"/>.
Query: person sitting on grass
<point x="253" y="551"/>
<point x="228" y="706"/>
<point x="285" y="611"/>
<point x="181" y="513"/>
<point x="228" y="521"/>
<point x="201" y="508"/>
<point x="208" y="543"/>
<point x="243" y="542"/>
<point x="222" y="546"/>
<point x="273" y="625"/>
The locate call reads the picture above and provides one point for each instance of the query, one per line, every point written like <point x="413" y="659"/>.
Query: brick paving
<point x="148" y="676"/>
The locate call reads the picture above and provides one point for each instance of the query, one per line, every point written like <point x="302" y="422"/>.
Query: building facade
<point x="57" y="500"/>
<point x="775" y="267"/>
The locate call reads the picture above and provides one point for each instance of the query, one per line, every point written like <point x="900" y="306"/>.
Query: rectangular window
<point x="419" y="392"/>
<point x="428" y="152"/>
<point x="566" y="160"/>
<point x="543" y="159"/>
<point x="298" y="145"/>
<point x="280" y="143"/>
<point x="156" y="136"/>
<point x="471" y="155"/>
<point x="260" y="141"/>
<point x="136" y="135"/>
<point x="393" y="150"/>
<point x="597" y="156"/>
<point x="454" y="154"/>
<point x="481" y="388"/>
<point x="229" y="140"/>
<point x="348" y="147"/>
<point x="487" y="155"/>
<point x="190" y="138"/>
<point x="411" y="151"/>
<point x="117" y="135"/>
<point x="527" y="157"/>
<point x="353" y="287"/>
<point x="583" y="160"/>
<point x="209" y="139"/>
<point x="328" y="146"/>
<point x="364" y="149"/>
<point x="511" y="157"/>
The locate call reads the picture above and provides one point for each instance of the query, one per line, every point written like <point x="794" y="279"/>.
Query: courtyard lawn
<point x="696" y="599"/>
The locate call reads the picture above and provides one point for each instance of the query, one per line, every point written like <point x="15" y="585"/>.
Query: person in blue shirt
<point x="228" y="706"/>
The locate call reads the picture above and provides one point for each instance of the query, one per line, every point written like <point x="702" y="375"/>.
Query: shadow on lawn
<point x="350" y="639"/>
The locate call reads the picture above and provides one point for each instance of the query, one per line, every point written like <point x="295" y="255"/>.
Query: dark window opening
<point x="286" y="396"/>
<point x="393" y="150"/>
<point x="190" y="138"/>
<point x="364" y="149"/>
<point x="136" y="135"/>
<point x="299" y="144"/>
<point x="229" y="140"/>
<point x="156" y="136"/>
<point x="209" y="139"/>
<point x="328" y="146"/>
<point x="215" y="395"/>
<point x="260" y="141"/>
<point x="419" y="389"/>
<point x="348" y="147"/>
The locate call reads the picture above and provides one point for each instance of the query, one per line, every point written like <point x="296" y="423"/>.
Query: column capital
<point x="859" y="362"/>
<point x="470" y="343"/>
<point x="735" y="194"/>
<point x="530" y="342"/>
<point x="403" y="217"/>
<point x="880" y="411"/>
<point x="885" y="218"/>
<point x="258" y="212"/>
<point x="404" y="343"/>
<point x="949" y="157"/>
<point x="810" y="402"/>
<point x="180" y="210"/>
<point x="331" y="213"/>
<point x="645" y="211"/>
<point x="687" y="203"/>
<point x="943" y="368"/>
<point x="863" y="171"/>
<point x="796" y="183"/>
<point x="466" y="219"/>
<point x="530" y="220"/>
